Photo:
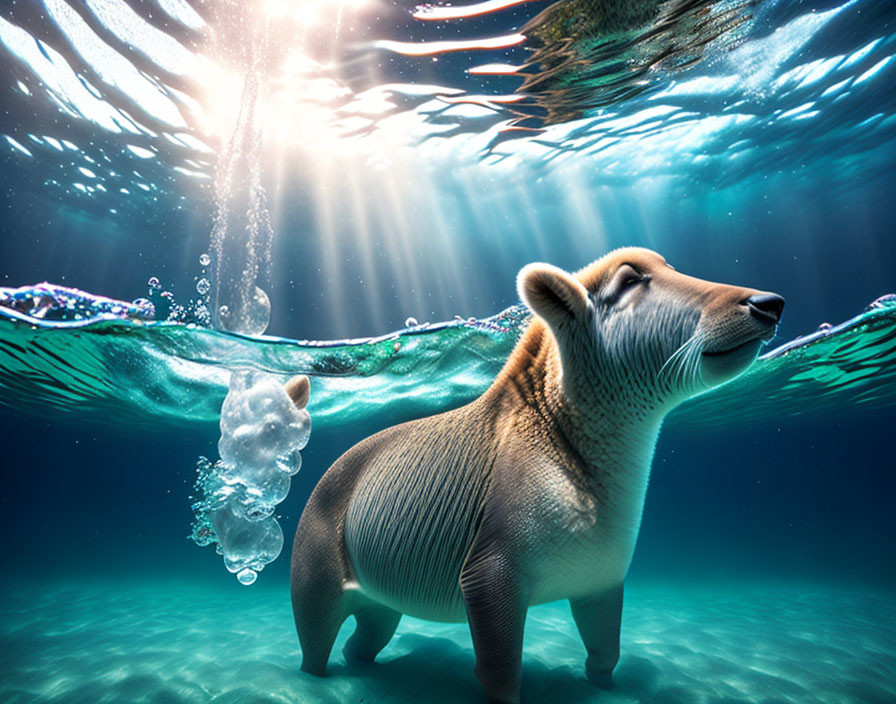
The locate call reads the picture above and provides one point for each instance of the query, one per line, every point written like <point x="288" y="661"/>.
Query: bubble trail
<point x="264" y="427"/>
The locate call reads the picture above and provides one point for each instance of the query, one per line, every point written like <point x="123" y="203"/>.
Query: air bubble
<point x="262" y="435"/>
<point x="290" y="462"/>
<point x="247" y="576"/>
<point x="411" y="323"/>
<point x="204" y="259"/>
<point x="203" y="286"/>
<point x="154" y="283"/>
<point x="258" y="314"/>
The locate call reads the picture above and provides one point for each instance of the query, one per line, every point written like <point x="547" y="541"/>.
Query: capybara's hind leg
<point x="376" y="625"/>
<point x="320" y="567"/>
<point x="318" y="606"/>
<point x="317" y="586"/>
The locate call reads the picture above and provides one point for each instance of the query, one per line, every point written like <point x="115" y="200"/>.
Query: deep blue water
<point x="765" y="568"/>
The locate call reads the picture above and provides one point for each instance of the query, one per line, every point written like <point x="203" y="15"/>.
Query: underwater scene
<point x="489" y="295"/>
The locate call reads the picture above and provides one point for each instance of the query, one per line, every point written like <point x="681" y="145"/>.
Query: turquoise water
<point x="383" y="171"/>
<point x="63" y="353"/>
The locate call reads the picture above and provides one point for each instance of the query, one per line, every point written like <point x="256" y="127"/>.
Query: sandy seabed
<point x="138" y="641"/>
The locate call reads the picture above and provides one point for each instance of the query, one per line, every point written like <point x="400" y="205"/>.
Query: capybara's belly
<point x="412" y="520"/>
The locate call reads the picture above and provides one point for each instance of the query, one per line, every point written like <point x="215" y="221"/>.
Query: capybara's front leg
<point x="496" y="600"/>
<point x="598" y="618"/>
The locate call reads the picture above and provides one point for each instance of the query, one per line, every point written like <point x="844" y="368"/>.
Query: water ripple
<point x="713" y="91"/>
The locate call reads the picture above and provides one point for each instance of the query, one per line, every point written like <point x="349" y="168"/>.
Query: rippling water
<point x="107" y="366"/>
<point x="684" y="88"/>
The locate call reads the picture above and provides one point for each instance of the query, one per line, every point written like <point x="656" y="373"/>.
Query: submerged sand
<point x="138" y="641"/>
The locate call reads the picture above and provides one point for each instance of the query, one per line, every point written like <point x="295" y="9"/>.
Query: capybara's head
<point x="631" y="325"/>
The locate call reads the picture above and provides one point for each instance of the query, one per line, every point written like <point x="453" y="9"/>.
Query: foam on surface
<point x="121" y="370"/>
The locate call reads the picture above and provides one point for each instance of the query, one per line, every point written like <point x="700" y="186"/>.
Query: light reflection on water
<point x="675" y="96"/>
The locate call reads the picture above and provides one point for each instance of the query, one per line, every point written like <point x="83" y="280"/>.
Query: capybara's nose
<point x="766" y="306"/>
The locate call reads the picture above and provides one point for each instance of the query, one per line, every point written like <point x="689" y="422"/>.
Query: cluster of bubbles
<point x="262" y="435"/>
<point x="263" y="431"/>
<point x="195" y="311"/>
<point x="514" y="317"/>
<point x="255" y="313"/>
<point x="60" y="304"/>
<point x="203" y="285"/>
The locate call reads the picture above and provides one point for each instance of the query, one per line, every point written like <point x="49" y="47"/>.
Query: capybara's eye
<point x="628" y="281"/>
<point x="627" y="277"/>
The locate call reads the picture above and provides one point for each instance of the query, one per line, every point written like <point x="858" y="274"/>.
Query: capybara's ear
<point x="551" y="293"/>
<point x="298" y="388"/>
